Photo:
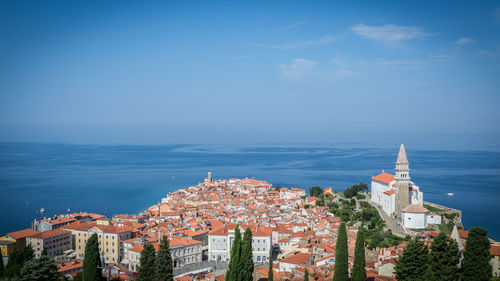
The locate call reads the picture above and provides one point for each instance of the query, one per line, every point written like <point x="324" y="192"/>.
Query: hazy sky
<point x="422" y="72"/>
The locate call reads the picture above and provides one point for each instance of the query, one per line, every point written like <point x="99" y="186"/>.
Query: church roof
<point x="384" y="178"/>
<point x="415" y="208"/>
<point x="402" y="155"/>
<point x="390" y="192"/>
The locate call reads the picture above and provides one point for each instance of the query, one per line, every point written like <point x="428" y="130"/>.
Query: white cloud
<point x="301" y="44"/>
<point x="399" y="62"/>
<point x="293" y="25"/>
<point x="439" y="57"/>
<point x="464" y="41"/>
<point x="297" y="69"/>
<point x="345" y="72"/>
<point x="239" y="58"/>
<point x="390" y="32"/>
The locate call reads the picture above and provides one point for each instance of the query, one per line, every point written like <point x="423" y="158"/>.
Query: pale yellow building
<point x="110" y="238"/>
<point x="15" y="240"/>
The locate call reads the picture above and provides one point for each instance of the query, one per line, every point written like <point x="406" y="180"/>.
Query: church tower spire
<point x="402" y="178"/>
<point x="402" y="166"/>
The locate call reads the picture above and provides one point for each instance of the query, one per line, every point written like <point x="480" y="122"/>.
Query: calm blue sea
<point x="130" y="178"/>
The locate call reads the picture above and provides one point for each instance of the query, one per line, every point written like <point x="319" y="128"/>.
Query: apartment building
<point x="184" y="251"/>
<point x="110" y="239"/>
<point x="55" y="242"/>
<point x="52" y="223"/>
<point x="220" y="241"/>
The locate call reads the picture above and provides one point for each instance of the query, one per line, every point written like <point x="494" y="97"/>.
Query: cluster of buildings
<point x="401" y="198"/>
<point x="200" y="223"/>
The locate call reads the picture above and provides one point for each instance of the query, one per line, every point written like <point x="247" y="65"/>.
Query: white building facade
<point x="221" y="240"/>
<point x="384" y="189"/>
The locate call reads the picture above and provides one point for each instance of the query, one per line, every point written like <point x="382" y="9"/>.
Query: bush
<point x="353" y="190"/>
<point x="315" y="191"/>
<point x="360" y="196"/>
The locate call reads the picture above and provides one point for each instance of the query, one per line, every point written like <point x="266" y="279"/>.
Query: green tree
<point x="27" y="254"/>
<point x="315" y="191"/>
<point x="78" y="277"/>
<point x="413" y="265"/>
<point x="164" y="265"/>
<point x="444" y="259"/>
<point x="39" y="269"/>
<point x="341" y="270"/>
<point x="353" y="190"/>
<point x="306" y="275"/>
<point x="146" y="270"/>
<point x="246" y="257"/>
<point x="92" y="270"/>
<point x="270" y="273"/>
<point x="16" y="261"/>
<point x="234" y="260"/>
<point x="476" y="263"/>
<point x="358" y="269"/>
<point x="2" y="269"/>
<point x="44" y="252"/>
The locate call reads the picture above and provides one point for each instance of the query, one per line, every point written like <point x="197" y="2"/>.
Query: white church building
<point x="399" y="197"/>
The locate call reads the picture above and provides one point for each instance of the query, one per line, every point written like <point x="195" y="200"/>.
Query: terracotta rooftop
<point x="300" y="258"/>
<point x="50" y="233"/>
<point x="415" y="208"/>
<point x="390" y="192"/>
<point x="463" y="233"/>
<point x="383" y="178"/>
<point x="495" y="250"/>
<point x="22" y="233"/>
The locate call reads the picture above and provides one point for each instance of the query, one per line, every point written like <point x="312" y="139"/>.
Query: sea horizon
<point x="120" y="179"/>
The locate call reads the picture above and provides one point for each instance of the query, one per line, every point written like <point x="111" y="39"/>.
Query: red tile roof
<point x="415" y="208"/>
<point x="70" y="265"/>
<point x="463" y="233"/>
<point x="300" y="258"/>
<point x="383" y="178"/>
<point x="495" y="250"/>
<point x="51" y="233"/>
<point x="390" y="192"/>
<point x="22" y="233"/>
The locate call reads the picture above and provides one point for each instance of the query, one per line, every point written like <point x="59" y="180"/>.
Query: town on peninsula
<point x="276" y="233"/>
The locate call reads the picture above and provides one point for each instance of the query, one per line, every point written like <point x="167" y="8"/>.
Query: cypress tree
<point x="234" y="260"/>
<point x="44" y="252"/>
<point x="39" y="269"/>
<point x="476" y="263"/>
<point x="246" y="257"/>
<point x="1" y="266"/>
<point x="92" y="270"/>
<point x="27" y="254"/>
<point x="306" y="275"/>
<point x="341" y="268"/>
<point x="146" y="270"/>
<point x="413" y="265"/>
<point x="270" y="272"/>
<point x="164" y="265"/>
<point x="12" y="267"/>
<point x="444" y="259"/>
<point x="358" y="269"/>
<point x="17" y="259"/>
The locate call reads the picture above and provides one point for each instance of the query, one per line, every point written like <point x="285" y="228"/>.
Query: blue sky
<point x="377" y="72"/>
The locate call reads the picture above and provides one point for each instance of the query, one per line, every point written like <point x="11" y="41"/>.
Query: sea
<point x="127" y="179"/>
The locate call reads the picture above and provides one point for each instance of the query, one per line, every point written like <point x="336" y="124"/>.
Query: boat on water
<point x="449" y="194"/>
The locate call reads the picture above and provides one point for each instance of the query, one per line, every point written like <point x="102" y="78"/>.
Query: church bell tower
<point x="402" y="178"/>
